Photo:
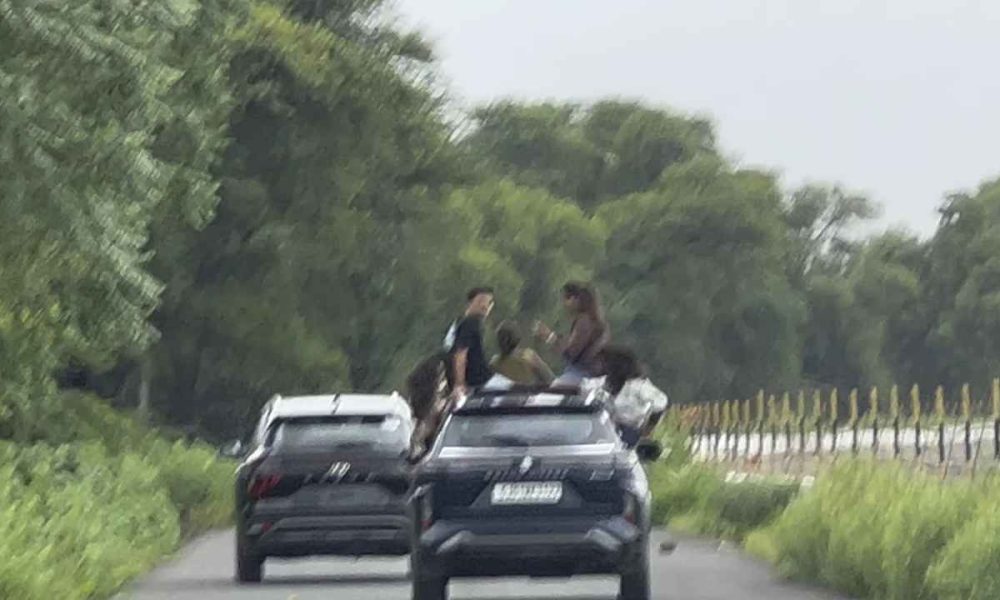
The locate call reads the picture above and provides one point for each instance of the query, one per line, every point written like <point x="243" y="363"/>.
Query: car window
<point x="389" y="434"/>
<point x="261" y="430"/>
<point x="507" y="430"/>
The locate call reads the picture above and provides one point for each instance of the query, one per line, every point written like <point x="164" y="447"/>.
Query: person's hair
<point x="422" y="383"/>
<point x="586" y="297"/>
<point x="477" y="291"/>
<point x="508" y="338"/>
<point x="620" y="365"/>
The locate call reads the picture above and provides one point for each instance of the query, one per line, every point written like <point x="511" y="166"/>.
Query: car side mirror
<point x="233" y="449"/>
<point x="648" y="450"/>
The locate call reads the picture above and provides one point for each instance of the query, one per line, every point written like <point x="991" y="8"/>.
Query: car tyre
<point x="426" y="585"/>
<point x="249" y="565"/>
<point x="635" y="577"/>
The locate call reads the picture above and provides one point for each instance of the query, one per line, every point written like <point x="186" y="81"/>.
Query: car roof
<point x="339" y="404"/>
<point x="528" y="400"/>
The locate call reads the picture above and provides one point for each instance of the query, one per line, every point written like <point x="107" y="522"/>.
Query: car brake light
<point x="630" y="512"/>
<point x="262" y="485"/>
<point x="426" y="509"/>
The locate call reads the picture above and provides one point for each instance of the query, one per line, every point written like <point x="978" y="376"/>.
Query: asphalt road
<point x="697" y="570"/>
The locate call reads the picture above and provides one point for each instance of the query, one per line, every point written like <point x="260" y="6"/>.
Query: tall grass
<point x="875" y="530"/>
<point x="869" y="529"/>
<point x="81" y="517"/>
<point x="694" y="497"/>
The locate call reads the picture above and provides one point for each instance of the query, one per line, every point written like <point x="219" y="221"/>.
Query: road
<point x="697" y="570"/>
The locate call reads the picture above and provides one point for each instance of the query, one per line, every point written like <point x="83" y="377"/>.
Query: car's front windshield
<point x="389" y="434"/>
<point x="528" y="430"/>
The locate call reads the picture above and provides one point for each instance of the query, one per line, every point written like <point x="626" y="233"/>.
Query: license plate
<point x="347" y="496"/>
<point x="548" y="492"/>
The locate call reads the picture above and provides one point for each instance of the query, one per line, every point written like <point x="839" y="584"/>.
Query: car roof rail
<point x="528" y="400"/>
<point x="528" y="389"/>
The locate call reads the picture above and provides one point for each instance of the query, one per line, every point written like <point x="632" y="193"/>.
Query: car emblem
<point x="526" y="465"/>
<point x="337" y="471"/>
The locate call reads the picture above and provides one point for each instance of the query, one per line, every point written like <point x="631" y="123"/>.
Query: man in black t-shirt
<point x="466" y="356"/>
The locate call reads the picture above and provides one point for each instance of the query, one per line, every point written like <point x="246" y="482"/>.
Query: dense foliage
<point x="204" y="202"/>
<point x="81" y="518"/>
<point x="880" y="531"/>
<point x="870" y="529"/>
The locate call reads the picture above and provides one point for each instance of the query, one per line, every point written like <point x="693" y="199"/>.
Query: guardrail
<point x="927" y="429"/>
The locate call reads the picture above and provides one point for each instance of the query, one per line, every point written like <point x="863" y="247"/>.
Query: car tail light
<point x="425" y="508"/>
<point x="631" y="509"/>
<point x="263" y="485"/>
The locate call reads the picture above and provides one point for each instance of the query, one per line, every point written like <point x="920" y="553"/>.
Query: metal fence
<point x="956" y="433"/>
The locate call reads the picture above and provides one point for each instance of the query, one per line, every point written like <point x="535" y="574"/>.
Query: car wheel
<point x="430" y="589"/>
<point x="426" y="584"/>
<point x="635" y="577"/>
<point x="249" y="565"/>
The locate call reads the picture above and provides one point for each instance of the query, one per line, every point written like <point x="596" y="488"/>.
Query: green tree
<point x="701" y="289"/>
<point x="963" y="287"/>
<point x="586" y="154"/>
<point x="98" y="105"/>
<point x="309" y="277"/>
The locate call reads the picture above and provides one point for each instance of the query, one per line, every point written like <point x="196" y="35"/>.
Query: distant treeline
<point x="204" y="202"/>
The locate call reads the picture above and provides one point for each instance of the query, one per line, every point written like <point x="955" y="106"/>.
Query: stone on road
<point x="696" y="570"/>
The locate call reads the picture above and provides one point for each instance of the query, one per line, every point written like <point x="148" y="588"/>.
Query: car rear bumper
<point x="549" y="548"/>
<point x="348" y="535"/>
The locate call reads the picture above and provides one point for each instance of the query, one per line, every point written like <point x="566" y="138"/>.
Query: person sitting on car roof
<point x="519" y="365"/>
<point x="636" y="405"/>
<point x="426" y="391"/>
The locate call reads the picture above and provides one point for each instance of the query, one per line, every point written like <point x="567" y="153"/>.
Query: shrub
<point x="694" y="497"/>
<point x="920" y="521"/>
<point x="966" y="568"/>
<point x="739" y="508"/>
<point x="798" y="540"/>
<point x="80" y="517"/>
<point x="677" y="491"/>
<point x="881" y="531"/>
<point x="198" y="483"/>
<point x="86" y="522"/>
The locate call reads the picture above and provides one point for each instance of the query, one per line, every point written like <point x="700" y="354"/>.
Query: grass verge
<point x="868" y="529"/>
<point x="79" y="519"/>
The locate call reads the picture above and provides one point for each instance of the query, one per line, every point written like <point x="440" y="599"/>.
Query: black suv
<point x="329" y="476"/>
<point x="530" y="482"/>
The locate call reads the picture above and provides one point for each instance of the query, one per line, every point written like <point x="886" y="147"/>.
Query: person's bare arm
<point x="541" y="367"/>
<point x="461" y="359"/>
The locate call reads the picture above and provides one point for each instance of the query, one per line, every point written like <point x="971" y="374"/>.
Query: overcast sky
<point x="898" y="99"/>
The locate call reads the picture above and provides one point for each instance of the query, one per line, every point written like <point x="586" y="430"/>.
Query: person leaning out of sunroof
<point x="636" y="405"/>
<point x="518" y="364"/>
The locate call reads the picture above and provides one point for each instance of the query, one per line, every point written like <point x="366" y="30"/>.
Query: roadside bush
<point x="875" y="530"/>
<point x="198" y="483"/>
<point x="797" y="541"/>
<point x="85" y="522"/>
<point x="78" y="520"/>
<point x="694" y="497"/>
<point x="925" y="517"/>
<point x="677" y="491"/>
<point x="866" y="528"/>
<point x="739" y="508"/>
<point x="966" y="569"/>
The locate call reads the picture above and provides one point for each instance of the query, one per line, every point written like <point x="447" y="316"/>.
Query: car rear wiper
<point x="507" y="440"/>
<point x="355" y="444"/>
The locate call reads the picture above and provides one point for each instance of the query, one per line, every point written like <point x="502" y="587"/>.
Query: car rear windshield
<point x="378" y="433"/>
<point x="518" y="430"/>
